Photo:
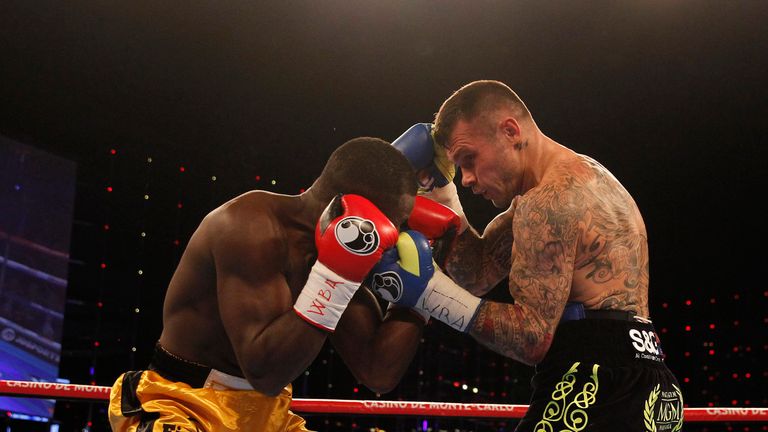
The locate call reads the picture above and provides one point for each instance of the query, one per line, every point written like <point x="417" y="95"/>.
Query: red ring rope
<point x="48" y="390"/>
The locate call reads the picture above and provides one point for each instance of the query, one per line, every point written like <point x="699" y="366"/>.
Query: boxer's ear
<point x="509" y="127"/>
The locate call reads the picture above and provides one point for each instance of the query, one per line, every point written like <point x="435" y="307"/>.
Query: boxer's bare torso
<point x="582" y="203"/>
<point x="192" y="313"/>
<point x="577" y="235"/>
<point x="229" y="305"/>
<point x="578" y="203"/>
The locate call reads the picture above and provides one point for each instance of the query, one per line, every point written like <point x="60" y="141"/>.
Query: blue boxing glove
<point x="403" y="272"/>
<point x="407" y="276"/>
<point x="429" y="159"/>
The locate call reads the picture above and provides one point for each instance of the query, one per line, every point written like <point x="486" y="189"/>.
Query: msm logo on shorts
<point x="388" y="285"/>
<point x="663" y="410"/>
<point x="646" y="343"/>
<point x="357" y="235"/>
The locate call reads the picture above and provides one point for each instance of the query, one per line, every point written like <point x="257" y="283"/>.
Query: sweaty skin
<point x="576" y="235"/>
<point x="230" y="303"/>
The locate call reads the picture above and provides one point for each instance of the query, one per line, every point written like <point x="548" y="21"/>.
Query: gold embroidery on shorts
<point x="573" y="414"/>
<point x="670" y="415"/>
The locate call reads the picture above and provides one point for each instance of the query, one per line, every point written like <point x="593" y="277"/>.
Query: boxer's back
<point x="192" y="324"/>
<point x="611" y="261"/>
<point x="611" y="268"/>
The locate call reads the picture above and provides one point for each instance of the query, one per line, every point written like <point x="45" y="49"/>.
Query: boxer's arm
<point x="543" y="257"/>
<point x="479" y="263"/>
<point x="273" y="345"/>
<point x="377" y="350"/>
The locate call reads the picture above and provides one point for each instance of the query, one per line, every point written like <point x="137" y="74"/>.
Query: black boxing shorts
<point x="605" y="371"/>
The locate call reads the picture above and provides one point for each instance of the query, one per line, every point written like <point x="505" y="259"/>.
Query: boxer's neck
<point x="313" y="202"/>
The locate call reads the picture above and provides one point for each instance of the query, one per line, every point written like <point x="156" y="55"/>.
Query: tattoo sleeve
<point x="542" y="263"/>
<point x="478" y="263"/>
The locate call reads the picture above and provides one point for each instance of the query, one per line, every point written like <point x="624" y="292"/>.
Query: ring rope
<point x="48" y="390"/>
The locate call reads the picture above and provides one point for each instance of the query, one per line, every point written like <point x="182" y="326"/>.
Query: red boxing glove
<point x="351" y="236"/>
<point x="438" y="223"/>
<point x="432" y="219"/>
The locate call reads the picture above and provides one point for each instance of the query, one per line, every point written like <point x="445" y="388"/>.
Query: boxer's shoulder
<point x="256" y="201"/>
<point x="251" y="208"/>
<point x="247" y="222"/>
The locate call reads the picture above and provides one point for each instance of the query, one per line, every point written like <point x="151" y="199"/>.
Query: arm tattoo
<point x="582" y="231"/>
<point x="543" y="256"/>
<point x="479" y="263"/>
<point x="513" y="331"/>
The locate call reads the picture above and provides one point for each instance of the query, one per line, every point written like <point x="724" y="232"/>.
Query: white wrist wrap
<point x="449" y="197"/>
<point x="448" y="302"/>
<point x="324" y="297"/>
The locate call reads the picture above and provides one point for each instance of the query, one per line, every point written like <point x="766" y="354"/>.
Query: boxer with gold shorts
<point x="265" y="280"/>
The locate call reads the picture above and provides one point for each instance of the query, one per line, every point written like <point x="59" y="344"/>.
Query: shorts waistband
<point x="174" y="368"/>
<point x="606" y="341"/>
<point x="575" y="311"/>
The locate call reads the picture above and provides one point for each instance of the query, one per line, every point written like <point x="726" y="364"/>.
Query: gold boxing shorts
<point x="148" y="401"/>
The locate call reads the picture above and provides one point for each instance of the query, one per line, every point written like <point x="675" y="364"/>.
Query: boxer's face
<point x="483" y="160"/>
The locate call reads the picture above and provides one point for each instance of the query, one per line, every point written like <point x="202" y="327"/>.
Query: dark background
<point x="668" y="95"/>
